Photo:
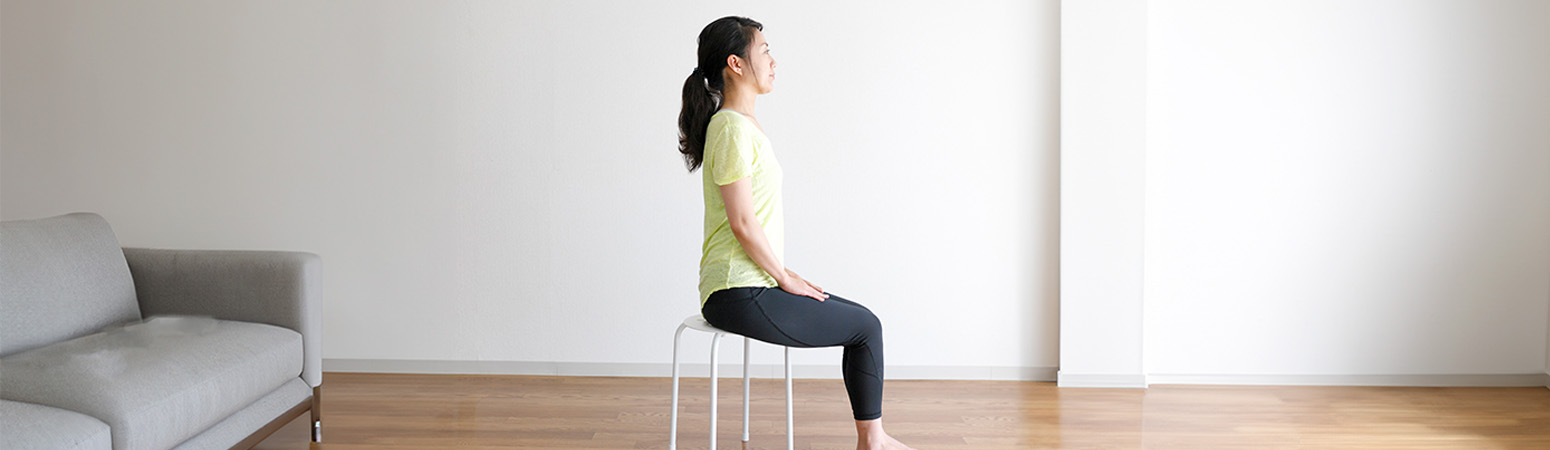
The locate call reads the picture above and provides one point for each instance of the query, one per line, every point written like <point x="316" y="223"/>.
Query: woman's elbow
<point x="742" y="226"/>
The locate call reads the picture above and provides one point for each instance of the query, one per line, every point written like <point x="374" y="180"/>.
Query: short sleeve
<point x="730" y="150"/>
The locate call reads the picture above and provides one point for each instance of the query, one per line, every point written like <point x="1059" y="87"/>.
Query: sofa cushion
<point x="158" y="382"/>
<point x="60" y="278"/>
<point x="32" y="426"/>
<point x="239" y="426"/>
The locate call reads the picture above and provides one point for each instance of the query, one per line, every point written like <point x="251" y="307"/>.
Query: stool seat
<point x="698" y="322"/>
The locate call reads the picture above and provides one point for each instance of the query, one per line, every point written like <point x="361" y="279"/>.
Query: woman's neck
<point x="739" y="100"/>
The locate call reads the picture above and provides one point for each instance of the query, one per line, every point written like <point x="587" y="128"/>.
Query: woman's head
<point x="753" y="71"/>
<point x="732" y="52"/>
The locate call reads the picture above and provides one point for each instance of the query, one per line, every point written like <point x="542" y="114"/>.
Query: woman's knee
<point x="866" y="322"/>
<point x="871" y="326"/>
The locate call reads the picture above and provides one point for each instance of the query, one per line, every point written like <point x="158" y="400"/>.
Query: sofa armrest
<point x="271" y="287"/>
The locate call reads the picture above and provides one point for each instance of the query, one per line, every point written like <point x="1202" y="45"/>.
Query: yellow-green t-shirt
<point x="736" y="149"/>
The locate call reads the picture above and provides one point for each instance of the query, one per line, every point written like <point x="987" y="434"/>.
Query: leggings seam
<point x="776" y="326"/>
<point x="873" y="358"/>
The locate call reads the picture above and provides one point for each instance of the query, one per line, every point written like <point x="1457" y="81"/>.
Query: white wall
<point x="1102" y="168"/>
<point x="496" y="182"/>
<point x="1347" y="188"/>
<point x="1331" y="188"/>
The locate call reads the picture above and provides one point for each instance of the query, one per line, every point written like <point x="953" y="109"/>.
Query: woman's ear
<point x="736" y="64"/>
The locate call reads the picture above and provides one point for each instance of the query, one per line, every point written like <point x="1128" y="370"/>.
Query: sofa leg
<point x="317" y="414"/>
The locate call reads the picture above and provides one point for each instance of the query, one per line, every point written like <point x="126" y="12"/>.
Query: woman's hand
<point x="796" y="285"/>
<point x="738" y="197"/>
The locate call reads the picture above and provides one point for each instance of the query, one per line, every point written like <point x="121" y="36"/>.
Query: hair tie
<point x="699" y="72"/>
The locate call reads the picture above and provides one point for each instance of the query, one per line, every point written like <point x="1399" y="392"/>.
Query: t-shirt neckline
<point x="733" y="111"/>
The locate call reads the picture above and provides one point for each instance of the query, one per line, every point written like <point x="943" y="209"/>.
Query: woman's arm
<point x="738" y="198"/>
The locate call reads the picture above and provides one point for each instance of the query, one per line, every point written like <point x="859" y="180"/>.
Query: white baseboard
<point x="734" y="370"/>
<point x="1146" y="380"/>
<point x="1062" y="378"/>
<point x="1100" y="380"/>
<point x="1414" y="380"/>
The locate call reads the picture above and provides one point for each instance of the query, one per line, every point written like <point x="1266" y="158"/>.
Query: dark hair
<point x="702" y="91"/>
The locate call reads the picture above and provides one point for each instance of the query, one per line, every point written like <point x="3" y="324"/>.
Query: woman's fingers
<point x="805" y="289"/>
<point x="811" y="290"/>
<point x="820" y="290"/>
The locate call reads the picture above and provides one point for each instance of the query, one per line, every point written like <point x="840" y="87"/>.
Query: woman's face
<point x="759" y="68"/>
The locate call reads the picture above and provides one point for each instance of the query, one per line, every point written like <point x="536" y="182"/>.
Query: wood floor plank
<point x="405" y="411"/>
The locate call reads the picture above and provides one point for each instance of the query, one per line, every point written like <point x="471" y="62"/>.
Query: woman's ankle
<point x="870" y="431"/>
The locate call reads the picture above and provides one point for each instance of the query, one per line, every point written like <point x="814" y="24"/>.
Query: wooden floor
<point x="383" y="411"/>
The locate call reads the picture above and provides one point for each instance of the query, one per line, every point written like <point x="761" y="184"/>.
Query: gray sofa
<point x="133" y="349"/>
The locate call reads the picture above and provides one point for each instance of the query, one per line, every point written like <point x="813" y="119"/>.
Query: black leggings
<point x="779" y="317"/>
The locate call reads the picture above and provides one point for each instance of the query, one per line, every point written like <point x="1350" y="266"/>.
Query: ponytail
<point x="700" y="102"/>
<point x="702" y="91"/>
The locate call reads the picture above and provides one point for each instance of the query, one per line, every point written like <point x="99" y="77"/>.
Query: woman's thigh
<point x="779" y="317"/>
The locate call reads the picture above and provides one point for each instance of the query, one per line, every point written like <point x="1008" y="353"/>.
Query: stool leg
<point x="715" y="350"/>
<point x="791" y="434"/>
<point x="745" y="390"/>
<point x="672" y="441"/>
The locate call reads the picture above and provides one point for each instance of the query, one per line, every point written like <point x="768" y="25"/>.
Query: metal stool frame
<point x="699" y="323"/>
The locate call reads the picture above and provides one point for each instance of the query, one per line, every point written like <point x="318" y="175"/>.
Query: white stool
<point x="698" y="323"/>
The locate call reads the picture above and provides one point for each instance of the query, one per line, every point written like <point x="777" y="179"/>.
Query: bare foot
<point x="884" y="443"/>
<point x="870" y="436"/>
<point x="881" y="441"/>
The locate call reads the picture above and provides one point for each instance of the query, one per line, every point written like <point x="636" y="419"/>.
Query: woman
<point x="744" y="286"/>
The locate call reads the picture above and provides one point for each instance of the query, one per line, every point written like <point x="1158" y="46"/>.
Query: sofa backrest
<point x="60" y="278"/>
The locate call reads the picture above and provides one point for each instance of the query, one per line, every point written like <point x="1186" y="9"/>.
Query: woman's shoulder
<point x="729" y="120"/>
<point x="726" y="116"/>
